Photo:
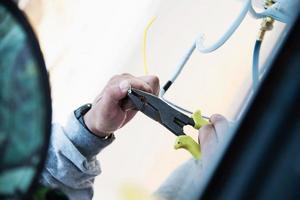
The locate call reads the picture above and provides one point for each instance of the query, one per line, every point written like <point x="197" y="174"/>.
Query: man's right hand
<point x="109" y="111"/>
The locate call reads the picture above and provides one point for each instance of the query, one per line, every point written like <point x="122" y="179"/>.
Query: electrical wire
<point x="255" y="63"/>
<point x="178" y="70"/>
<point x="199" y="44"/>
<point x="255" y="14"/>
<point x="177" y="107"/>
<point x="144" y="50"/>
<point x="266" y="25"/>
<point x="182" y="63"/>
<point x="180" y="66"/>
<point x="232" y="28"/>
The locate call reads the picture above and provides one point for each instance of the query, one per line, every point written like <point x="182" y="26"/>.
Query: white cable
<point x="200" y="40"/>
<point x="183" y="61"/>
<point x="255" y="14"/>
<point x="179" y="67"/>
<point x="282" y="10"/>
<point x="199" y="44"/>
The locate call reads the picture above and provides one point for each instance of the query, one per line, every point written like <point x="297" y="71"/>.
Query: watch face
<point x="25" y="109"/>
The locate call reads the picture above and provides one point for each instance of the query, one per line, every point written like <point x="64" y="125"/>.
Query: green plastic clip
<point x="198" y="119"/>
<point x="187" y="142"/>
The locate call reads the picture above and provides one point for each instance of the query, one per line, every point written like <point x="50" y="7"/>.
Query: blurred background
<point x="85" y="42"/>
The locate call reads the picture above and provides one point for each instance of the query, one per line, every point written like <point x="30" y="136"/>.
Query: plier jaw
<point x="160" y="111"/>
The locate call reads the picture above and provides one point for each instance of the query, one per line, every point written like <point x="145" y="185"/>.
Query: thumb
<point x="124" y="87"/>
<point x="118" y="92"/>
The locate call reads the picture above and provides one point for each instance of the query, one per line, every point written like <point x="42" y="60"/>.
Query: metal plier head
<point x="160" y="111"/>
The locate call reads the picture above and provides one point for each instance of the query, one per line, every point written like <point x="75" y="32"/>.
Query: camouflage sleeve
<point x="71" y="164"/>
<point x="71" y="161"/>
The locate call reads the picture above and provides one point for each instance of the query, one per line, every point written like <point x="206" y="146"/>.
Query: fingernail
<point x="124" y="86"/>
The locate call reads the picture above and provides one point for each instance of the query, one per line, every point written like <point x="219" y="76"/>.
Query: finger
<point x="115" y="89"/>
<point x="111" y="98"/>
<point x="207" y="135"/>
<point x="140" y="84"/>
<point x="221" y="125"/>
<point x="129" y="115"/>
<point x="153" y="81"/>
<point x="126" y="105"/>
<point x="108" y="112"/>
<point x="117" y="93"/>
<point x="127" y="75"/>
<point x="125" y="80"/>
<point x="115" y="80"/>
<point x="208" y="142"/>
<point x="114" y="93"/>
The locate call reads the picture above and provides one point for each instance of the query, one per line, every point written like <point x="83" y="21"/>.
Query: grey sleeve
<point x="183" y="183"/>
<point x="71" y="163"/>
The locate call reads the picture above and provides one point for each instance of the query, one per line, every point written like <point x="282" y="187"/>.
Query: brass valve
<point x="267" y="22"/>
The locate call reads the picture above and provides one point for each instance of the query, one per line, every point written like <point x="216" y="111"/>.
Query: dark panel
<point x="263" y="161"/>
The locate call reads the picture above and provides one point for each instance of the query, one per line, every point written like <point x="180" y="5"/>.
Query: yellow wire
<point x="145" y="45"/>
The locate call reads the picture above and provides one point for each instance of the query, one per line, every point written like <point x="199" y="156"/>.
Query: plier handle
<point x="160" y="111"/>
<point x="169" y="117"/>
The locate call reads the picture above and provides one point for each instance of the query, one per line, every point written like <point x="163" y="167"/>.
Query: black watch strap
<point x="80" y="112"/>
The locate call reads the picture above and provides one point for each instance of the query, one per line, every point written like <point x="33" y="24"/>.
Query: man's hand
<point x="212" y="134"/>
<point x="109" y="110"/>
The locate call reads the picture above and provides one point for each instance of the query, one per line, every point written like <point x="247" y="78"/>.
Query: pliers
<point x="160" y="111"/>
<point x="169" y="117"/>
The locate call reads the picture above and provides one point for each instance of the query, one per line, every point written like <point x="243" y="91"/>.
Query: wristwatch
<point x="80" y="112"/>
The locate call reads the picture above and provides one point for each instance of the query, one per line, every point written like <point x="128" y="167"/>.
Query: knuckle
<point x="109" y="91"/>
<point x="216" y="118"/>
<point x="155" y="80"/>
<point x="126" y="74"/>
<point x="113" y="78"/>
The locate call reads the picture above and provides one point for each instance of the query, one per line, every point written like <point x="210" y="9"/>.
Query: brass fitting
<point x="267" y="22"/>
<point x="268" y="3"/>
